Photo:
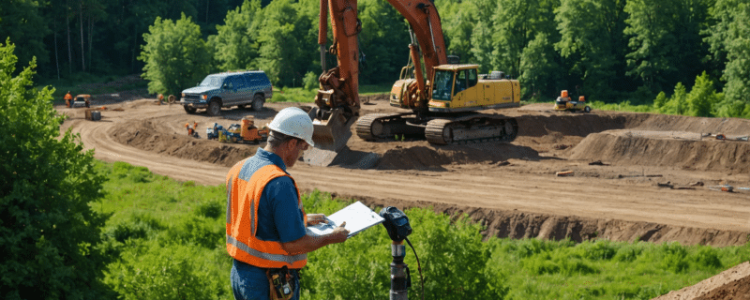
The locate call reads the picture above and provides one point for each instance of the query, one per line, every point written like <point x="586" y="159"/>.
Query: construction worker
<point x="161" y="99"/>
<point x="266" y="222"/>
<point x="68" y="99"/>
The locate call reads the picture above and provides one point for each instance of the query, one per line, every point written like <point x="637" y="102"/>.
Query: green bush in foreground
<point x="49" y="235"/>
<point x="166" y="233"/>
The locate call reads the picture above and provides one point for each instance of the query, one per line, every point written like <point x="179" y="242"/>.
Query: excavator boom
<point x="337" y="101"/>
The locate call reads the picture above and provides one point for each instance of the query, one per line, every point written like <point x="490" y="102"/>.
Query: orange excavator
<point x="441" y="102"/>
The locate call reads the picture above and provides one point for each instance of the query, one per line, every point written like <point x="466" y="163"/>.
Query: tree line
<point x="609" y="50"/>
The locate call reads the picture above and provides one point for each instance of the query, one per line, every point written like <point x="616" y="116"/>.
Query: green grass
<point x="85" y="83"/>
<point x="302" y="95"/>
<point x="166" y="233"/>
<point x="369" y="89"/>
<point x="294" y="95"/>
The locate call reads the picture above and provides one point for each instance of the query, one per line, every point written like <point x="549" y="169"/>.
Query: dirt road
<point x="511" y="188"/>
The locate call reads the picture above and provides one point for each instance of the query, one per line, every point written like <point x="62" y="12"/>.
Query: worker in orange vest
<point x="68" y="99"/>
<point x="266" y="223"/>
<point x="191" y="129"/>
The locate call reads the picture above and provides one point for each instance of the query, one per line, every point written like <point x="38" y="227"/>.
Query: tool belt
<point x="281" y="282"/>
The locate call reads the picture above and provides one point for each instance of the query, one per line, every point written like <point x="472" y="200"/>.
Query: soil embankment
<point x="509" y="187"/>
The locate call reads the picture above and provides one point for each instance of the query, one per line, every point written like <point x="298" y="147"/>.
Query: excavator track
<point x="381" y="126"/>
<point x="471" y="129"/>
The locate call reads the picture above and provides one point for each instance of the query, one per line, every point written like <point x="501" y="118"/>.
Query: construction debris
<point x="629" y="176"/>
<point x="668" y="185"/>
<point x="723" y="188"/>
<point x="723" y="137"/>
<point x="674" y="187"/>
<point x="564" y="173"/>
<point x="92" y="115"/>
<point x="598" y="163"/>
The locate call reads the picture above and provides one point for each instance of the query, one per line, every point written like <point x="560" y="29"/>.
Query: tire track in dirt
<point x="526" y="193"/>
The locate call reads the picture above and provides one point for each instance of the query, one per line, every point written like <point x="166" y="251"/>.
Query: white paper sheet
<point x="357" y="216"/>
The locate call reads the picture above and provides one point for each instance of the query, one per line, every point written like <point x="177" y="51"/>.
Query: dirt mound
<point x="569" y="124"/>
<point x="652" y="149"/>
<point x="732" y="284"/>
<point x="519" y="225"/>
<point x="367" y="99"/>
<point x="145" y="135"/>
<point x="433" y="158"/>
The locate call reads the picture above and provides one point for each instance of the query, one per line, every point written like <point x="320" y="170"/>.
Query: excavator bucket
<point x="330" y="137"/>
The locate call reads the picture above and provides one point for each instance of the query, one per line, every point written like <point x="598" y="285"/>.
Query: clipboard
<point x="357" y="216"/>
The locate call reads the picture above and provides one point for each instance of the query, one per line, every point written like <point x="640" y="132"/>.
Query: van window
<point x="238" y="82"/>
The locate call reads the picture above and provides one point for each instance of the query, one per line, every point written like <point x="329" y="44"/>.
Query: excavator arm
<point x="337" y="100"/>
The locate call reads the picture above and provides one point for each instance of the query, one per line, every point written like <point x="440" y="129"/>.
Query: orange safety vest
<point x="243" y="199"/>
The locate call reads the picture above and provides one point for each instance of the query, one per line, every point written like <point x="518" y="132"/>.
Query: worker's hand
<point x="315" y="219"/>
<point x="339" y="235"/>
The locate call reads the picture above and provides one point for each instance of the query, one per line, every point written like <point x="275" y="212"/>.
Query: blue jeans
<point x="250" y="282"/>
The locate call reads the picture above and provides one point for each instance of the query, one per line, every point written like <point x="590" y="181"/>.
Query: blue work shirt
<point x="279" y="220"/>
<point x="279" y="216"/>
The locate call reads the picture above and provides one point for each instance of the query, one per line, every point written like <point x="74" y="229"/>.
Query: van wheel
<point x="189" y="110"/>
<point x="258" y="102"/>
<point x="214" y="108"/>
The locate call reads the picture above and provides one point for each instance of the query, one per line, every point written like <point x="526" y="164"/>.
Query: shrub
<point x="49" y="235"/>
<point x="311" y="81"/>
<point x="149" y="270"/>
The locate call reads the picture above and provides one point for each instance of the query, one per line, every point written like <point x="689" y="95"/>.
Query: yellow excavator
<point x="441" y="102"/>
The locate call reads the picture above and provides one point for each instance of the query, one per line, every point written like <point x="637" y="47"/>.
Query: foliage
<point x="592" y="37"/>
<point x="677" y="104"/>
<point x="539" y="67"/>
<point x="147" y="271"/>
<point x="281" y="35"/>
<point x="703" y="97"/>
<point x="310" y="82"/>
<point x="729" y="38"/>
<point x="384" y="40"/>
<point x="611" y="50"/>
<point x="49" y="235"/>
<point x="235" y="46"/>
<point x="176" y="56"/>
<point x="165" y="233"/>
<point x="22" y="21"/>
<point x="517" y="26"/>
<point x="288" y="94"/>
<point x="663" y="35"/>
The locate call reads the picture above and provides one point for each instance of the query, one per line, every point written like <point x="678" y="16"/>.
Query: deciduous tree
<point x="176" y="56"/>
<point x="592" y="42"/>
<point x="49" y="235"/>
<point x="235" y="45"/>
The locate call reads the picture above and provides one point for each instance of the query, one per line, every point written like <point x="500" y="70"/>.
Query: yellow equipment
<point x="442" y="99"/>
<point x="564" y="103"/>
<point x="245" y="132"/>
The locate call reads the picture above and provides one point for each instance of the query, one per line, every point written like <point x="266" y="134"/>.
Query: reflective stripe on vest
<point x="243" y="199"/>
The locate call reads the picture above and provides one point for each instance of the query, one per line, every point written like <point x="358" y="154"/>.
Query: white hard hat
<point x="294" y="122"/>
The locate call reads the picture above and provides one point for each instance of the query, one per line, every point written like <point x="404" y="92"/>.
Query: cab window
<point x="472" y="77"/>
<point x="443" y="85"/>
<point x="460" y="81"/>
<point x="228" y="84"/>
